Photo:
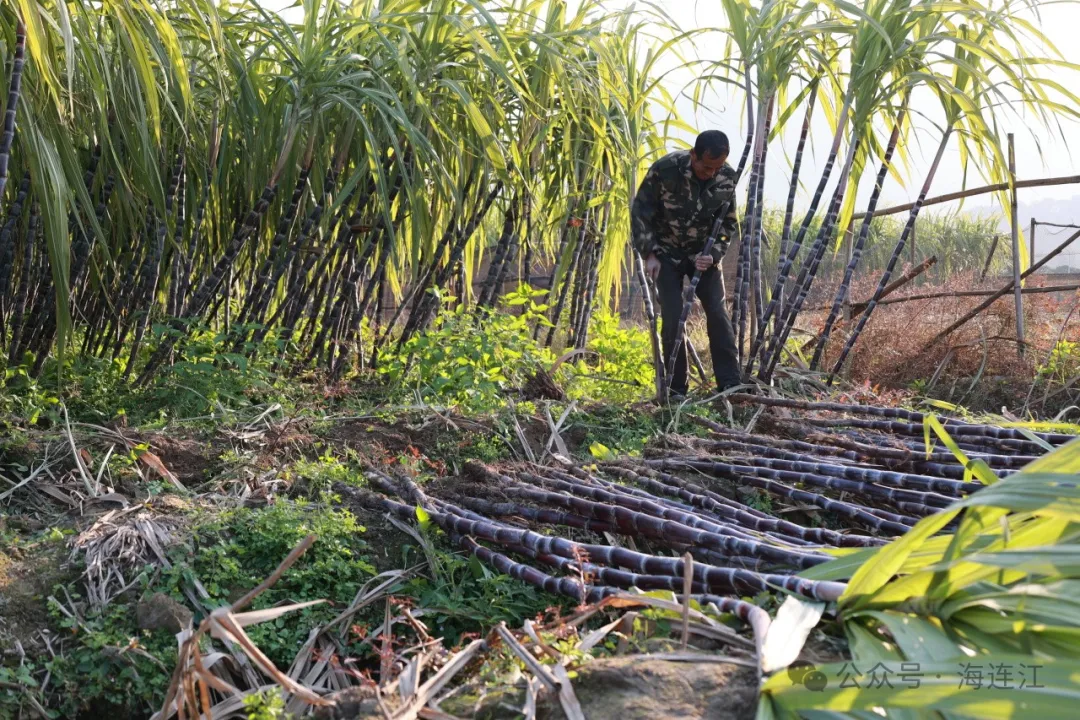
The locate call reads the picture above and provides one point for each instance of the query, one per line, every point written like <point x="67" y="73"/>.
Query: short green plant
<point x="472" y="446"/>
<point x="235" y="551"/>
<point x="268" y="705"/>
<point x="471" y="359"/>
<point x="1063" y="363"/>
<point x="23" y="400"/>
<point x="99" y="675"/>
<point x="614" y="429"/>
<point x="618" y="368"/>
<point x="464" y="595"/>
<point x="314" y="477"/>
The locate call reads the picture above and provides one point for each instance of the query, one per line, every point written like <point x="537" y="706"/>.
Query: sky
<point x="1038" y="153"/>
<point x="726" y="111"/>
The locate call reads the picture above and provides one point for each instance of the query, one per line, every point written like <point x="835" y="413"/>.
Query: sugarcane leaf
<point x="254" y="617"/>
<point x="1028" y="491"/>
<point x="876" y="572"/>
<point x="941" y="580"/>
<point x="841" y="567"/>
<point x="976" y="467"/>
<point x="960" y="686"/>
<point x="918" y="638"/>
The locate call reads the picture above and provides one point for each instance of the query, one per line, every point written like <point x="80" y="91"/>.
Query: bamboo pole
<point x="961" y="194"/>
<point x="895" y="285"/>
<point x="1017" y="295"/>
<point x="980" y="293"/>
<point x="990" y="300"/>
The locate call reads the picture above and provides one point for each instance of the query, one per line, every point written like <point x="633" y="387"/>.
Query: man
<point x="672" y="215"/>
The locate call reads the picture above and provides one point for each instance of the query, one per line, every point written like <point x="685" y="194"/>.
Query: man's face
<point x="706" y="166"/>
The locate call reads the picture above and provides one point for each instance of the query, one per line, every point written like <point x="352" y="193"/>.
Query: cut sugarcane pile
<point x="588" y="530"/>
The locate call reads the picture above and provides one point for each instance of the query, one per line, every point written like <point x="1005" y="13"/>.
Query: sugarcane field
<point x="539" y="359"/>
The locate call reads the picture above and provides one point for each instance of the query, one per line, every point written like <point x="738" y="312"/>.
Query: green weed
<point x="619" y="368"/>
<point x="464" y="594"/>
<point x="235" y="551"/>
<point x="471" y="359"/>
<point x="268" y="705"/>
<point x="621" y="430"/>
<point x="312" y="478"/>
<point x="104" y="672"/>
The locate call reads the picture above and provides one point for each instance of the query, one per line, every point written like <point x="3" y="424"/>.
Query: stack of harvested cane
<point x="865" y="480"/>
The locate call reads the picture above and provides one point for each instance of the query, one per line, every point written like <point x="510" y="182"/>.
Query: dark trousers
<point x="710" y="290"/>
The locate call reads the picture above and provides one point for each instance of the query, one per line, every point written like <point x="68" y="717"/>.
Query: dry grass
<point x="977" y="364"/>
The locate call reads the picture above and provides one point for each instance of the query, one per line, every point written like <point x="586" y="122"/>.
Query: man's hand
<point x="704" y="261"/>
<point x="652" y="266"/>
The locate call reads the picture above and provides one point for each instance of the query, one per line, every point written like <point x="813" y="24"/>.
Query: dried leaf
<point x="153" y="462"/>
<point x="254" y="617"/>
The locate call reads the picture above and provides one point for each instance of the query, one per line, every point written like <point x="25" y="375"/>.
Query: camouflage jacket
<point x="673" y="211"/>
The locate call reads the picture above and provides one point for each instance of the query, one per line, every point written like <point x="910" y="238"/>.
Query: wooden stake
<point x="688" y="582"/>
<point x="1031" y="240"/>
<point x="1000" y="293"/>
<point x="990" y="256"/>
<point x="1019" y="297"/>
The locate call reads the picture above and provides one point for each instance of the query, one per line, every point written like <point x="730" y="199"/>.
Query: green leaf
<point x="877" y="571"/>
<point x="601" y="452"/>
<point x="1050" y="687"/>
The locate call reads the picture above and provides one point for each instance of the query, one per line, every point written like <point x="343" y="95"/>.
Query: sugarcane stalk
<point x="953" y="425"/>
<point x="703" y="498"/>
<point x="25" y="281"/>
<point x="786" y="320"/>
<point x="377" y="279"/>
<point x="500" y="281"/>
<point x="502" y="249"/>
<point x="898" y="250"/>
<point x="608" y="576"/>
<point x="793" y="252"/>
<point x="974" y="435"/>
<point x="773" y="481"/>
<point x="793" y="189"/>
<point x="150" y="290"/>
<point x="11" y="109"/>
<point x="806" y="452"/>
<point x="210" y="287"/>
<point x="427" y="302"/>
<point x="658" y="523"/>
<point x="179" y="261"/>
<point x="712" y="577"/>
<point x="650" y="313"/>
<point x="860" y="242"/>
<point x="537" y="515"/>
<point x="153" y="270"/>
<point x="568" y="277"/>
<point x="7" y="236"/>
<point x="751" y="237"/>
<point x="917" y="499"/>
<point x="581" y="333"/>
<point x="276" y="256"/>
<point x="81" y="243"/>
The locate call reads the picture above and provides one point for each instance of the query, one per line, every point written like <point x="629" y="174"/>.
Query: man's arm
<point x="644" y="214"/>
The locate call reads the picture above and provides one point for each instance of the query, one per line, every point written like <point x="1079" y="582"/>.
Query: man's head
<point x="709" y="154"/>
